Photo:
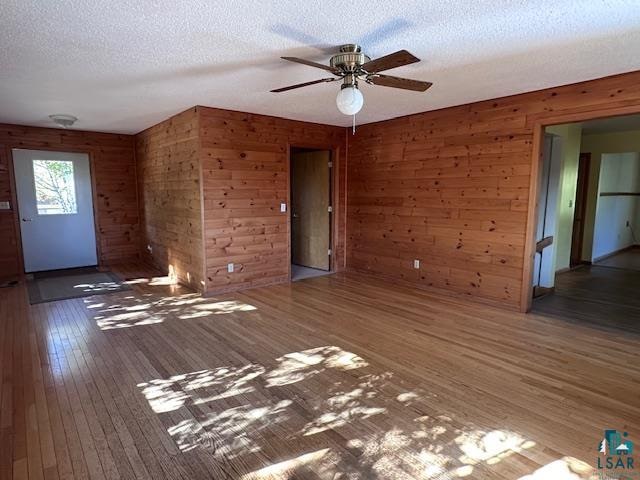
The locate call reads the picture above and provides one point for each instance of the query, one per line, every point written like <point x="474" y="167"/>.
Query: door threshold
<point x="63" y="272"/>
<point x="300" y="272"/>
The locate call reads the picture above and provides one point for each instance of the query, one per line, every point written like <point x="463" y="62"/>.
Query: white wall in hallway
<point x="619" y="172"/>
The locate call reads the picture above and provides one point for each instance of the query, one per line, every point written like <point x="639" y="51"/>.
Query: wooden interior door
<point x="582" y="187"/>
<point x="310" y="201"/>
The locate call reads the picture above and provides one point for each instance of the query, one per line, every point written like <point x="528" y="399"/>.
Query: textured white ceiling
<point x="123" y="65"/>
<point x="609" y="125"/>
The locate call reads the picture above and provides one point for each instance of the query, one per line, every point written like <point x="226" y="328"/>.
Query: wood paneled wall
<point x="170" y="197"/>
<point x="10" y="263"/>
<point x="452" y="188"/>
<point x="113" y="172"/>
<point x="245" y="174"/>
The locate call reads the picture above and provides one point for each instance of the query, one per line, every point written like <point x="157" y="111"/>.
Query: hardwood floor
<point x="336" y="377"/>
<point x="605" y="297"/>
<point x="629" y="259"/>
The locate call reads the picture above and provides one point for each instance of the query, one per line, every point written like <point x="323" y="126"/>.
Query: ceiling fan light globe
<point x="349" y="100"/>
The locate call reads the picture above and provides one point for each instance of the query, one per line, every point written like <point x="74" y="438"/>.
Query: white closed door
<point x="55" y="203"/>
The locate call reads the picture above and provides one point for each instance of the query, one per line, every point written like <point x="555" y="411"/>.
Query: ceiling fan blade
<point x="311" y="64"/>
<point x="397" y="82"/>
<point x="299" y="85"/>
<point x="393" y="60"/>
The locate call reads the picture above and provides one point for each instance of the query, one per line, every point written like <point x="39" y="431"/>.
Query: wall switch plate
<point x="283" y="207"/>
<point x="5" y="206"/>
<point x="416" y="264"/>
<point x="230" y="267"/>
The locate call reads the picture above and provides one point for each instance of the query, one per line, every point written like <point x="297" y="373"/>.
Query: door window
<point x="55" y="187"/>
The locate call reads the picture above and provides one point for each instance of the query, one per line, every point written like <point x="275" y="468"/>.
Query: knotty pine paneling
<point x="245" y="174"/>
<point x="451" y="187"/>
<point x="10" y="263"/>
<point x="113" y="172"/>
<point x="169" y="187"/>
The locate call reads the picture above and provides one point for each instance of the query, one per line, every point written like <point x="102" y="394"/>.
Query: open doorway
<point x="587" y="261"/>
<point x="310" y="212"/>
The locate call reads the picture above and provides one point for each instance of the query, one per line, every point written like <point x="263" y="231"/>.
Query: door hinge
<point x="330" y="209"/>
<point x="329" y="252"/>
<point x="330" y="164"/>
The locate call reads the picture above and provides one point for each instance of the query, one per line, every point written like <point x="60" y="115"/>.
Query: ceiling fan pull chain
<point x="354" y="124"/>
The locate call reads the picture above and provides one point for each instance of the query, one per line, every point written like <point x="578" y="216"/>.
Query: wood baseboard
<point x="212" y="292"/>
<point x="573" y="267"/>
<point x="542" y="291"/>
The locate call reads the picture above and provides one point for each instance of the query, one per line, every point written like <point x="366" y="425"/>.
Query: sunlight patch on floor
<point x="166" y="395"/>
<point x="229" y="412"/>
<point x="97" y="287"/>
<point x="152" y="309"/>
<point x="153" y="281"/>
<point x="217" y="308"/>
<point x="342" y="408"/>
<point x="297" y="366"/>
<point x="288" y="469"/>
<point x="230" y="432"/>
<point x="567" y="468"/>
<point x="490" y="447"/>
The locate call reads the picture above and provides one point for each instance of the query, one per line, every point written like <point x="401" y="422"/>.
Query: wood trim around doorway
<point x="580" y="203"/>
<point x="539" y="124"/>
<point x="334" y="192"/>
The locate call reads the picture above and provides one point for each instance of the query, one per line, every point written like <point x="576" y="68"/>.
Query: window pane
<point x="55" y="188"/>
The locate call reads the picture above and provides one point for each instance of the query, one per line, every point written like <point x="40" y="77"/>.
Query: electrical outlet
<point x="416" y="264"/>
<point x="149" y="249"/>
<point x="230" y="267"/>
<point x="283" y="207"/>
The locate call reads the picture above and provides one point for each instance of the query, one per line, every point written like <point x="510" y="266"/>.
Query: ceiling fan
<point x="351" y="65"/>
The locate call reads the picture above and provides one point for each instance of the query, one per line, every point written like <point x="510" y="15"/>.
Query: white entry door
<point x="56" y="209"/>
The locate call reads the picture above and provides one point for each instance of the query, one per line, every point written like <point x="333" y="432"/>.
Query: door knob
<point x="27" y="219"/>
<point x="295" y="215"/>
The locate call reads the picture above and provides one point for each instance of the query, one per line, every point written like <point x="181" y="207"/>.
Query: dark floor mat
<point x="49" y="287"/>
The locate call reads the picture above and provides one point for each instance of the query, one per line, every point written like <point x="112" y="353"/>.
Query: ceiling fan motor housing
<point x="350" y="58"/>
